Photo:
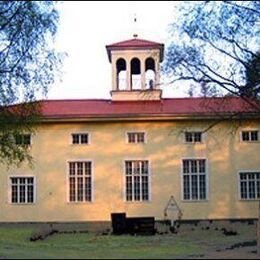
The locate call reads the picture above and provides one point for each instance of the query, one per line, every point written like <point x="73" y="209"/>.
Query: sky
<point x="86" y="27"/>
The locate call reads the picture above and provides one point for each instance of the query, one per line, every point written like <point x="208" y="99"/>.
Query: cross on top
<point x="135" y="26"/>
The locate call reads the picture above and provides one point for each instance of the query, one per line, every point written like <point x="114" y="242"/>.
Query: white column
<point x="157" y="74"/>
<point x="143" y="74"/>
<point x="128" y="75"/>
<point x="114" y="76"/>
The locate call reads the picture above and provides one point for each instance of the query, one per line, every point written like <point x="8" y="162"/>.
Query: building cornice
<point x="131" y="118"/>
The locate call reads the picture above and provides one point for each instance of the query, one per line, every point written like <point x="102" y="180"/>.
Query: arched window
<point x="135" y="74"/>
<point x="149" y="73"/>
<point x="121" y="74"/>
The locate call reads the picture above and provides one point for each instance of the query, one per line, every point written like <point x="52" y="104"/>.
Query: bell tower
<point x="135" y="69"/>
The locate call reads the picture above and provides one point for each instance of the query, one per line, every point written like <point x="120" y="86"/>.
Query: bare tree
<point x="216" y="45"/>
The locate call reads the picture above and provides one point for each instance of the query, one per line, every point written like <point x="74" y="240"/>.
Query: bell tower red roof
<point x="135" y="44"/>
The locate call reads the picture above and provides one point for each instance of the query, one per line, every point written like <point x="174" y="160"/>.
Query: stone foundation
<point x="161" y="226"/>
<point x="93" y="226"/>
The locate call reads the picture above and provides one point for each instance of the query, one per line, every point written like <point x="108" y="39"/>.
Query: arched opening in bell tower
<point x="121" y="74"/>
<point x="135" y="73"/>
<point x="149" y="73"/>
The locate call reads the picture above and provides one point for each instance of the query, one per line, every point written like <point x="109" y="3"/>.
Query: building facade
<point x="132" y="153"/>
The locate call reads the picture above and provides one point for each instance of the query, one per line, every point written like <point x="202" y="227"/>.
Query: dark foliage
<point x="28" y="65"/>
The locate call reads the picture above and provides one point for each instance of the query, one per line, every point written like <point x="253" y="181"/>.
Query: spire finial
<point x="135" y="26"/>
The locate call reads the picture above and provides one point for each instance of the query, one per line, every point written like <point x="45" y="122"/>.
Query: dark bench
<point x="134" y="226"/>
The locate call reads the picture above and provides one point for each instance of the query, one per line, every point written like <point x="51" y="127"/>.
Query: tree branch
<point x="229" y="81"/>
<point x="226" y="53"/>
<point x="241" y="6"/>
<point x="8" y="20"/>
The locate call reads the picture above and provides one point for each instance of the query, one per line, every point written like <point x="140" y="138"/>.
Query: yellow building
<point x="132" y="153"/>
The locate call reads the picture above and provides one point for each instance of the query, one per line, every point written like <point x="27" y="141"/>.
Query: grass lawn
<point x="15" y="243"/>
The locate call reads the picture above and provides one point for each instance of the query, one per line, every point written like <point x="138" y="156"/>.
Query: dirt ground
<point x="240" y="253"/>
<point x="225" y="241"/>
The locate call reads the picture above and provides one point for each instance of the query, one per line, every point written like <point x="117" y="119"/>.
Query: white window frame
<point x="80" y="133"/>
<point x="192" y="132"/>
<point x="149" y="180"/>
<point x="207" y="180"/>
<point x="239" y="184"/>
<point x="136" y="132"/>
<point x="249" y="141"/>
<point x="68" y="183"/>
<point x="10" y="189"/>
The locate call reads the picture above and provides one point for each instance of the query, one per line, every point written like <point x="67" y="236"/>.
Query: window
<point x="135" y="71"/>
<point x="249" y="185"/>
<point x="22" y="189"/>
<point x="149" y="73"/>
<point x="250" y="136"/>
<point x="121" y="74"/>
<point x="137" y="179"/>
<point x="193" y="137"/>
<point x="136" y="137"/>
<point x="23" y="139"/>
<point x="80" y="138"/>
<point x="80" y="181"/>
<point x="194" y="179"/>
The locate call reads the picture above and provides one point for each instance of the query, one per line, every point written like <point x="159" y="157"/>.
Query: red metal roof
<point x="135" y="43"/>
<point x="92" y="108"/>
